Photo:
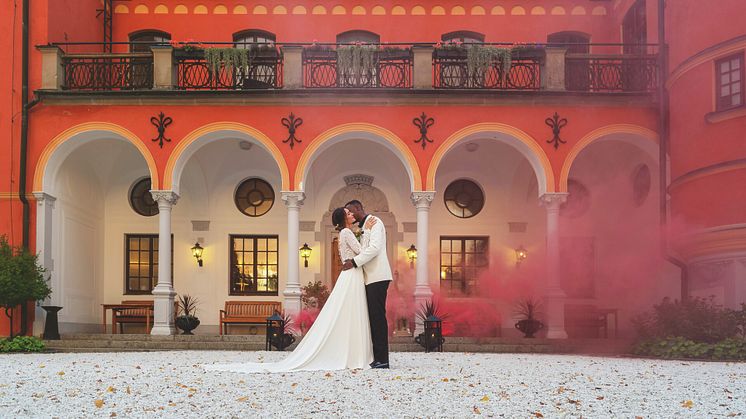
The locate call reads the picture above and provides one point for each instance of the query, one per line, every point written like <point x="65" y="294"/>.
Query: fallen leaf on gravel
<point x="600" y="398"/>
<point x="575" y="402"/>
<point x="294" y="385"/>
<point x="61" y="373"/>
<point x="538" y="415"/>
<point x="485" y="399"/>
<point x="398" y="377"/>
<point x="477" y="411"/>
<point x="111" y="389"/>
<point x="99" y="403"/>
<point x="42" y="366"/>
<point x="128" y="390"/>
<point x="328" y="374"/>
<point x="113" y="415"/>
<point x="560" y="390"/>
<point x="445" y="380"/>
<point x="242" y="399"/>
<point x="172" y="404"/>
<point x="687" y="403"/>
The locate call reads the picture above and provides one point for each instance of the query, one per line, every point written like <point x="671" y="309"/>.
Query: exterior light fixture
<point x="197" y="253"/>
<point x="412" y="255"/>
<point x="521" y="254"/>
<point x="305" y="253"/>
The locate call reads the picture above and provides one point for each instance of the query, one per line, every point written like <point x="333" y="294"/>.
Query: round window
<point x="464" y="198"/>
<point x="141" y="200"/>
<point x="254" y="197"/>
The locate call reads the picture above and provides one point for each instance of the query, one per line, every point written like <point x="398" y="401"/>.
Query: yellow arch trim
<point x="404" y="151"/>
<point x="594" y="135"/>
<point x="514" y="132"/>
<point x="223" y="126"/>
<point x="59" y="139"/>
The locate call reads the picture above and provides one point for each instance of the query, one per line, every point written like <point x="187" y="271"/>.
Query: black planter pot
<point x="283" y="341"/>
<point x="187" y="324"/>
<point x="430" y="344"/>
<point x="529" y="327"/>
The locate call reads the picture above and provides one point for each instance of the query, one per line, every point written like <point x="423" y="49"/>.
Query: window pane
<point x="725" y="91"/>
<point x="261" y="244"/>
<point x="445" y="245"/>
<point x="735" y="63"/>
<point x="272" y="244"/>
<point x="725" y="78"/>
<point x="736" y="76"/>
<point x="470" y="260"/>
<point x="456" y="246"/>
<point x="736" y="100"/>
<point x="456" y="259"/>
<point x="272" y="258"/>
<point x="470" y="246"/>
<point x="725" y="67"/>
<point x="238" y="244"/>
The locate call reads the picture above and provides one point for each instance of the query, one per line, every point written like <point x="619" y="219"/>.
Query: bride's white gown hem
<point x="340" y="336"/>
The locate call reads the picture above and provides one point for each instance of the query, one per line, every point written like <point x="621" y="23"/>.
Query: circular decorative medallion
<point x="464" y="198"/>
<point x="254" y="197"/>
<point x="141" y="200"/>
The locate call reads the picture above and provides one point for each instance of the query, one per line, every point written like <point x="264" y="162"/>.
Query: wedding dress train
<point x="340" y="336"/>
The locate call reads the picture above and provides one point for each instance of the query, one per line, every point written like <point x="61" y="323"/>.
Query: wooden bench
<point x="247" y="312"/>
<point x="588" y="321"/>
<point x="141" y="312"/>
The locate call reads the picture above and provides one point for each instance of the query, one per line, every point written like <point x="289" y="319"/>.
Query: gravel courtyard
<point x="174" y="384"/>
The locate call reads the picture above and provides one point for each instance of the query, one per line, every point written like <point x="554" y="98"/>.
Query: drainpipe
<point x="663" y="129"/>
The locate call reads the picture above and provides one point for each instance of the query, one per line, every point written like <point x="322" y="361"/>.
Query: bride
<point x="340" y="336"/>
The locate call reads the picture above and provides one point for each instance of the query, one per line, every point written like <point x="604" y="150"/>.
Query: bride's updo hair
<point x="339" y="218"/>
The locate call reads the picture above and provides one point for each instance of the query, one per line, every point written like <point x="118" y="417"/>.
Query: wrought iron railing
<point x="389" y="68"/>
<point x="451" y="71"/>
<point x="634" y="73"/>
<point x="264" y="71"/>
<point x="108" y="71"/>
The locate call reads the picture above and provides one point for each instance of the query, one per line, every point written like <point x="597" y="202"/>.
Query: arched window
<point x="353" y="36"/>
<point x="141" y="41"/>
<point x="576" y="42"/>
<point x="634" y="29"/>
<point x="253" y="36"/>
<point x="465" y="37"/>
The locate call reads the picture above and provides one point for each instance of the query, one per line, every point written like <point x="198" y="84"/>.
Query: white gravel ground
<point x="174" y="384"/>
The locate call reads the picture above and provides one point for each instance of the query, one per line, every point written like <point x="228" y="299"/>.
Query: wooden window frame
<point x="464" y="289"/>
<point x="152" y="279"/>
<point x="720" y="105"/>
<point x="231" y="237"/>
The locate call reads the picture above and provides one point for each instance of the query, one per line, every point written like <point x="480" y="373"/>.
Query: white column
<point x="163" y="317"/>
<point x="422" y="291"/>
<point x="292" y="293"/>
<point x="44" y="207"/>
<point x="554" y="306"/>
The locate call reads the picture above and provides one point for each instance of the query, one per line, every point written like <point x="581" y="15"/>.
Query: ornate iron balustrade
<point x="611" y="73"/>
<point x="108" y="71"/>
<point x="451" y="71"/>
<point x="194" y="73"/>
<point x="390" y="69"/>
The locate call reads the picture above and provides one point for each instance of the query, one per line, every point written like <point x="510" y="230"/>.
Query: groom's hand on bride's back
<point x="347" y="265"/>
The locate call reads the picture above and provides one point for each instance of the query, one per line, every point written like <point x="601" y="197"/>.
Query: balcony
<point x="391" y="67"/>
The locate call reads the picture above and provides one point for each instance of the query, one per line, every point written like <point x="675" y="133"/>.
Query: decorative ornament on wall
<point x="161" y="123"/>
<point x="423" y="123"/>
<point x="292" y="123"/>
<point x="556" y="124"/>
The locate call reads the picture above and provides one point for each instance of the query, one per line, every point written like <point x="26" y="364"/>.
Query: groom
<point x="377" y="272"/>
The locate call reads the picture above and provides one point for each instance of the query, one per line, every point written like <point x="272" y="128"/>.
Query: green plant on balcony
<point x="233" y="58"/>
<point x="479" y="58"/>
<point x="356" y="60"/>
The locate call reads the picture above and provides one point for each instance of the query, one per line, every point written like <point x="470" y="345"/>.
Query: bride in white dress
<point x="340" y="336"/>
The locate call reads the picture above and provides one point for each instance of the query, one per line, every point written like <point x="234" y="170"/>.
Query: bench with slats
<point x="247" y="312"/>
<point x="140" y="314"/>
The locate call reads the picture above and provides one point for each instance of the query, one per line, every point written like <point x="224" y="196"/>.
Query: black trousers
<point x="379" y="327"/>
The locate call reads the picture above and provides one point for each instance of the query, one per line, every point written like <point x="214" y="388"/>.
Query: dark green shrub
<point x="22" y="344"/>
<point x="679" y="347"/>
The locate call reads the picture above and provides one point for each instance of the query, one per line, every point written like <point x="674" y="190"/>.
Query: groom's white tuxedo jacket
<point x="373" y="258"/>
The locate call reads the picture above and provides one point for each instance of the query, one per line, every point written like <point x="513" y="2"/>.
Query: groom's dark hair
<point x="356" y="203"/>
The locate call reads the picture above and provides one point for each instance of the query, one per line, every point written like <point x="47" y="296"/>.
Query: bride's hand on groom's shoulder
<point x="370" y="223"/>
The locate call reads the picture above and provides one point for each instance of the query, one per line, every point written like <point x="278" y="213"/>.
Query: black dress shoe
<point x="379" y="365"/>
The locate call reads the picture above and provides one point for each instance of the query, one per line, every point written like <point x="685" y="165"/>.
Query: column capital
<point x="169" y="198"/>
<point x="422" y="199"/>
<point x="43" y="198"/>
<point x="553" y="200"/>
<point x="293" y="199"/>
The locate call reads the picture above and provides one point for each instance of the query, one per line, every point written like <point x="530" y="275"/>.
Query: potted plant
<point x="187" y="308"/>
<point x="21" y="280"/>
<point x="528" y="310"/>
<point x="283" y="338"/>
<point x="430" y="314"/>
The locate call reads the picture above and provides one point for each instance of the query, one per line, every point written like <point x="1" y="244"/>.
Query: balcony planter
<point x="395" y="54"/>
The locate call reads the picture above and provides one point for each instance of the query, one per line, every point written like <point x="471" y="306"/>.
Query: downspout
<point x="663" y="144"/>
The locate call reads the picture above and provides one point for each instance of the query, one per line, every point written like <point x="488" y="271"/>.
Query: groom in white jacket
<point x="375" y="263"/>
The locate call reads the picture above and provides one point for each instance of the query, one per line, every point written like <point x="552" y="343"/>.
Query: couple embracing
<point x="351" y="331"/>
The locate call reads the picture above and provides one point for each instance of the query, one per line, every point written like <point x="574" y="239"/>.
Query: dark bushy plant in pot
<point x="528" y="310"/>
<point x="187" y="319"/>
<point x="430" y="312"/>
<point x="284" y="338"/>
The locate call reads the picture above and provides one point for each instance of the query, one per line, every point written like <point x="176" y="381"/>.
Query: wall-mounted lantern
<point x="521" y="254"/>
<point x="412" y="255"/>
<point x="305" y="253"/>
<point x="197" y="253"/>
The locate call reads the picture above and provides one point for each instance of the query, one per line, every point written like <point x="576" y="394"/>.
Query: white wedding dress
<point x="340" y="336"/>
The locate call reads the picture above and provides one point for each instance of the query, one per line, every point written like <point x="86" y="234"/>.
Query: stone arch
<point x="358" y="130"/>
<point x="62" y="145"/>
<point x="197" y="138"/>
<point x="521" y="141"/>
<point x="644" y="138"/>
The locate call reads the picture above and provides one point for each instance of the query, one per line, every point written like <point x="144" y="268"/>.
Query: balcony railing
<point x="364" y="67"/>
<point x="108" y="71"/>
<point x="264" y="71"/>
<point x="632" y="73"/>
<point x="451" y="70"/>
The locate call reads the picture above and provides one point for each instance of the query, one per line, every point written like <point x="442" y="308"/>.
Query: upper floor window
<point x="634" y="29"/>
<point x="365" y="37"/>
<point x="141" y="41"/>
<point x="464" y="37"/>
<point x="253" y="36"/>
<point x="575" y="42"/>
<point x="729" y="74"/>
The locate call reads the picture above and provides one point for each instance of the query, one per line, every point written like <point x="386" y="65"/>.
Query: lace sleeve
<point x="348" y="242"/>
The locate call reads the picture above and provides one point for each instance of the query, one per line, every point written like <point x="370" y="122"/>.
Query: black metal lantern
<point x="276" y="335"/>
<point x="432" y="338"/>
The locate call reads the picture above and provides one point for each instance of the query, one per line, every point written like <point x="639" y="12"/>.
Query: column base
<point x="163" y="311"/>
<point x="555" y="312"/>
<point x="422" y="294"/>
<point x="292" y="300"/>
